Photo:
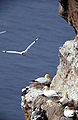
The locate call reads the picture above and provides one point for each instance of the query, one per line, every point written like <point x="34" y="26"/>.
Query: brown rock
<point x="42" y="107"/>
<point x="68" y="9"/>
<point x="66" y="78"/>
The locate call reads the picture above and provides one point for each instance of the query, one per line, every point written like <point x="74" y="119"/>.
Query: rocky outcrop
<point x="68" y="9"/>
<point x="66" y="78"/>
<point x="36" y="106"/>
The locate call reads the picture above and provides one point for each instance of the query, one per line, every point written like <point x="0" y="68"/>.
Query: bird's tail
<point x="32" y="81"/>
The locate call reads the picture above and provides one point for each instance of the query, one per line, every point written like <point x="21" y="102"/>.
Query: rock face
<point x="36" y="106"/>
<point x="68" y="9"/>
<point x="66" y="79"/>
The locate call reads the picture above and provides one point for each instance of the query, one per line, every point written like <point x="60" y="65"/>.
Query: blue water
<point x="24" y="21"/>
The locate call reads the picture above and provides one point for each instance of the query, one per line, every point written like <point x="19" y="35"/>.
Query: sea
<point x="24" y="21"/>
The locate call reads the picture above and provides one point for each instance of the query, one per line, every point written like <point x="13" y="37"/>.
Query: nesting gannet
<point x="2" y="32"/>
<point x="22" y="52"/>
<point x="69" y="112"/>
<point x="49" y="93"/>
<point x="65" y="99"/>
<point x="43" y="80"/>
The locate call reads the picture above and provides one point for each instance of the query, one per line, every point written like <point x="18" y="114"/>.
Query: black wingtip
<point x="33" y="81"/>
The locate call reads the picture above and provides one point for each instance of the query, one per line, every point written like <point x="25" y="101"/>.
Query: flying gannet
<point x="22" y="52"/>
<point x="2" y="32"/>
<point x="49" y="93"/>
<point x="43" y="80"/>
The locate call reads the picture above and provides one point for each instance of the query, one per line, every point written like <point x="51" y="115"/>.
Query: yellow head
<point x="66" y="95"/>
<point x="46" y="88"/>
<point x="67" y="107"/>
<point x="47" y="76"/>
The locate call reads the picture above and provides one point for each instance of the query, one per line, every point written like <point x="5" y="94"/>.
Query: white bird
<point x="69" y="113"/>
<point x="49" y="93"/>
<point x="22" y="52"/>
<point x="43" y="80"/>
<point x="2" y="32"/>
<point x="65" y="99"/>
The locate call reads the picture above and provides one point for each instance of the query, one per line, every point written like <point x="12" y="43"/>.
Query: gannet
<point x="43" y="80"/>
<point x="69" y="112"/>
<point x="65" y="99"/>
<point x="49" y="93"/>
<point x="2" y="32"/>
<point x="22" y="52"/>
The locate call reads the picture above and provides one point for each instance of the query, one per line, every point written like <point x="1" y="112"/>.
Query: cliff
<point x="66" y="78"/>
<point x="35" y="105"/>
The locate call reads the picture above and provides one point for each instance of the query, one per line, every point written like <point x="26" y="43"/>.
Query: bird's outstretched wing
<point x="2" y="32"/>
<point x="30" y="45"/>
<point x="22" y="52"/>
<point x="16" y="52"/>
